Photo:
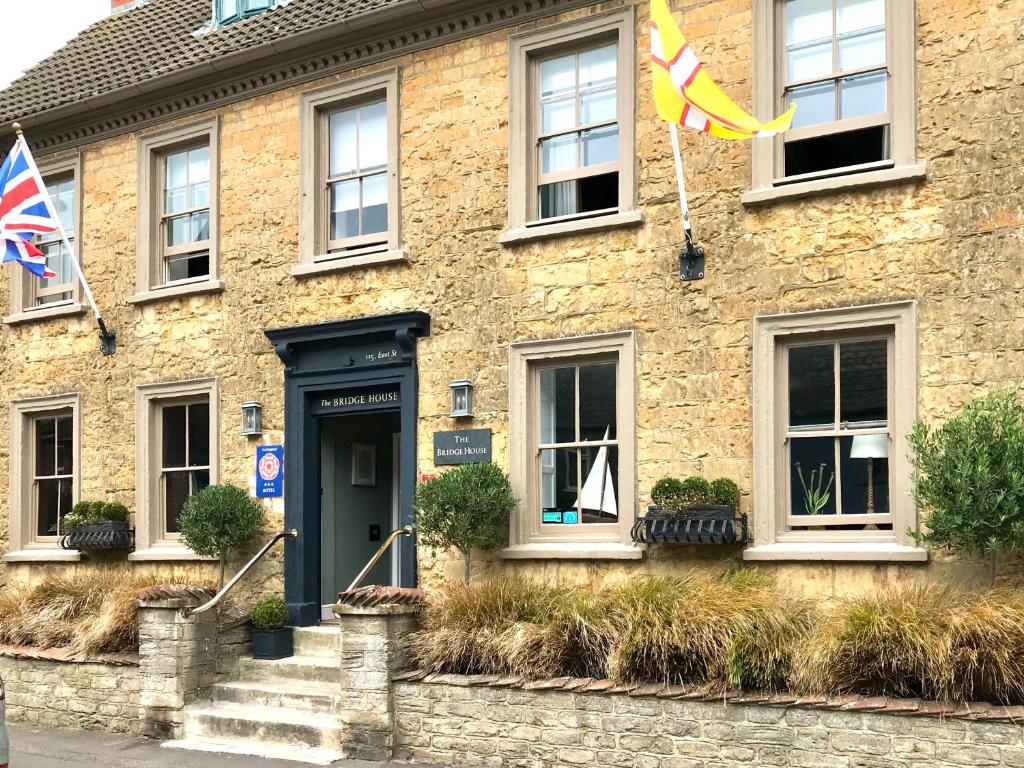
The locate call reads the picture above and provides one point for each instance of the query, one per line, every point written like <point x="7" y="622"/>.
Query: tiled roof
<point x="159" y="38"/>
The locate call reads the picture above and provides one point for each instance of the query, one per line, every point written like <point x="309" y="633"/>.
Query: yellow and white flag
<point x="685" y="94"/>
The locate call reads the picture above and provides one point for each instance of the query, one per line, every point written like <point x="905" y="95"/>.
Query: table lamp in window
<point x="870" y="447"/>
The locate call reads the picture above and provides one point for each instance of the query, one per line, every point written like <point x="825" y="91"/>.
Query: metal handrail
<point x="406" y="531"/>
<point x="292" y="534"/>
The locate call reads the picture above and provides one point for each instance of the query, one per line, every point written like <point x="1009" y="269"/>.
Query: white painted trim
<point x="323" y="265"/>
<point x="178" y="291"/>
<point x="577" y="226"/>
<point x="43" y="556"/>
<point x="572" y="551"/>
<point x="783" y="192"/>
<point x="849" y="552"/>
<point x="46" y="313"/>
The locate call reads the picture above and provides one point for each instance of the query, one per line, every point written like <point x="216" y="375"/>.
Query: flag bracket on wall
<point x="691" y="262"/>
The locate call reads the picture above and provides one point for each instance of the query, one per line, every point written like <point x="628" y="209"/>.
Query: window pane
<point x="373" y="136"/>
<point x="200" y="226"/>
<point x="558" y="405"/>
<point x="199" y="195"/>
<point x="176" y="200"/>
<point x="173" y="417"/>
<point x="62" y="194"/>
<point x="188" y="266"/>
<point x="342" y="128"/>
<point x="199" y="165"/>
<point x="597" y="67"/>
<point x="345" y="209"/>
<point x="863" y="95"/>
<point x="228" y="8"/>
<point x="559" y="115"/>
<point x="837" y="150"/>
<point x="176" y="490"/>
<point x="558" y="76"/>
<point x="597" y="193"/>
<point x="58" y="259"/>
<point x="601" y="145"/>
<point x="64" y="489"/>
<point x="864" y="50"/>
<point x="177" y="170"/>
<point x="375" y="204"/>
<point x="200" y="479"/>
<point x="599" y="497"/>
<point x="559" y="153"/>
<point x="198" y="435"/>
<point x="808" y="20"/>
<point x="812" y="459"/>
<point x="179" y="230"/>
<point x="812" y="386"/>
<point x="853" y="15"/>
<point x="65" y="446"/>
<point x="559" y="487"/>
<point x="807" y="61"/>
<point x="47" y="507"/>
<point x="869" y="460"/>
<point x="46" y="447"/>
<point x="558" y="199"/>
<point x="597" y="402"/>
<point x="597" y="107"/>
<point x="863" y="385"/>
<point x="815" y="104"/>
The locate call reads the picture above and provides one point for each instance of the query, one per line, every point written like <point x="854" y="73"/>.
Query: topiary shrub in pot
<point x="271" y="639"/>
<point x="218" y="521"/>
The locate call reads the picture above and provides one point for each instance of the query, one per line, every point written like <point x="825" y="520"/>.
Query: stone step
<point x="274" y="725"/>
<point x="267" y="750"/>
<point x="317" y="641"/>
<point x="317" y="669"/>
<point x="306" y="695"/>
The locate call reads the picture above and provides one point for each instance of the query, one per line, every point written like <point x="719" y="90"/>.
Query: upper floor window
<point x="177" y="241"/>
<point x="848" y="65"/>
<point x="572" y="113"/>
<point x="349" y="213"/>
<point x="234" y="10"/>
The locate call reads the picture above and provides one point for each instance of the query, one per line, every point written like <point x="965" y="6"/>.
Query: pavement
<point x="52" y="748"/>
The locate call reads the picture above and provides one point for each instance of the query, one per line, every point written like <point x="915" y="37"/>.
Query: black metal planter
<point x="706" y="525"/>
<point x="272" y="644"/>
<point x="112" y="534"/>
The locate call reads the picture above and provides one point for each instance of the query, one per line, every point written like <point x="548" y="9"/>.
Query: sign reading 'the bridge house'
<point x="269" y="470"/>
<point x="463" y="446"/>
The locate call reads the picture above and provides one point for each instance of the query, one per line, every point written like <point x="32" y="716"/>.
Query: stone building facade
<point x="916" y="251"/>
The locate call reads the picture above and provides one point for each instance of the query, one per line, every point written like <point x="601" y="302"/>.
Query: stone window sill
<point x="45" y="313"/>
<point x="766" y="195"/>
<point x="517" y="235"/>
<point x="327" y="264"/>
<point x="177" y="291"/>
<point x="843" y="552"/>
<point x="166" y="552"/>
<point x="571" y="551"/>
<point x="43" y="556"/>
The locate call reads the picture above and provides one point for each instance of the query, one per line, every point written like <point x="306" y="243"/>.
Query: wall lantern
<point x="462" y="399"/>
<point x="252" y="419"/>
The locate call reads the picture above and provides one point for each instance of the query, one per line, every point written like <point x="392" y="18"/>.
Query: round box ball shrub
<point x="725" y="491"/>
<point x="270" y="613"/>
<point x="667" y="492"/>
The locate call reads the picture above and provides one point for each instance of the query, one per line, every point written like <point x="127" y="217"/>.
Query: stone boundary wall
<point x="47" y="690"/>
<point x="465" y="721"/>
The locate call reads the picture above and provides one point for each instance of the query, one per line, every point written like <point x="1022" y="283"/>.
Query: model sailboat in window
<point x="598" y="491"/>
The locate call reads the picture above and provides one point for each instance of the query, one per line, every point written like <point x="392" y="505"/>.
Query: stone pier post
<point x="177" y="655"/>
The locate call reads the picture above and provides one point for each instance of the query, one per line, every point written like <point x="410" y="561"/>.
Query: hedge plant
<point x="673" y="495"/>
<point x="465" y="508"/>
<point x="91" y="512"/>
<point x="269" y="614"/>
<point x="968" y="476"/>
<point x="218" y="521"/>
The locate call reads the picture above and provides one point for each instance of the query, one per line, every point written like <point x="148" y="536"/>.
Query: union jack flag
<point x="25" y="211"/>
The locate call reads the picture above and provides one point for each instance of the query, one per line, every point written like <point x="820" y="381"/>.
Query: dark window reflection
<point x="811" y="386"/>
<point x="174" y="435"/>
<point x="559" y="484"/>
<point x="855" y="472"/>
<point x="597" y="400"/>
<point x="813" y="458"/>
<point x="863" y="385"/>
<point x="558" y="405"/>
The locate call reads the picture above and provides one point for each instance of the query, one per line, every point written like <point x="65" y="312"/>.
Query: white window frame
<point x="525" y="51"/>
<point x="769" y="81"/>
<point x="152" y="540"/>
<point x="25" y="545"/>
<point x="23" y="308"/>
<point x="528" y="539"/>
<point x="315" y="108"/>
<point x="772" y="334"/>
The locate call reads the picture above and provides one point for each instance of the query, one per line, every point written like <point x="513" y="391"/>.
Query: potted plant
<point x="271" y="639"/>
<point x="692" y="511"/>
<point x="218" y="521"/>
<point x="816" y="497"/>
<point x="465" y="508"/>
<point x="97" y="525"/>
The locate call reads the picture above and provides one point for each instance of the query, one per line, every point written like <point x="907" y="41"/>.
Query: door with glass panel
<point x="838" y="435"/>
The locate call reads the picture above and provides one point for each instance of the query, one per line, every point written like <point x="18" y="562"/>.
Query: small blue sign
<point x="269" y="470"/>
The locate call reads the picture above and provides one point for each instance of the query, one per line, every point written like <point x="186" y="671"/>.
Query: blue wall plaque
<point x="269" y="470"/>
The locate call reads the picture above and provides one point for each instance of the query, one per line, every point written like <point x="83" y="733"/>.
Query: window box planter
<point x="704" y="525"/>
<point x="272" y="644"/>
<point x="112" y="534"/>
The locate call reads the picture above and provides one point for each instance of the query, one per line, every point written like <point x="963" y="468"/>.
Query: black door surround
<point x="327" y="368"/>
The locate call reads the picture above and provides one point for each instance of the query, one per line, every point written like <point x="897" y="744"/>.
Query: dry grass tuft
<point x="983" y="650"/>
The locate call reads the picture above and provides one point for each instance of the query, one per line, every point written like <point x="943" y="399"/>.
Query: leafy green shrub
<point x="969" y="477"/>
<point x="115" y="511"/>
<point x="696" y="492"/>
<point x="465" y="508"/>
<point x="91" y="512"/>
<point x="218" y="521"/>
<point x="270" y="613"/>
<point x="667" y="492"/>
<point x="725" y="491"/>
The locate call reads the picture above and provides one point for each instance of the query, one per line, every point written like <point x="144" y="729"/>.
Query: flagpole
<point x="108" y="339"/>
<point x="691" y="260"/>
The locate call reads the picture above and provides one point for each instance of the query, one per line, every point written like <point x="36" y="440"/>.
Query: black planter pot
<point x="272" y="644"/>
<point x="716" y="524"/>
<point x="112" y="534"/>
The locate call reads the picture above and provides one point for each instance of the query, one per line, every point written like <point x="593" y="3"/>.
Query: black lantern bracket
<point x="691" y="261"/>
